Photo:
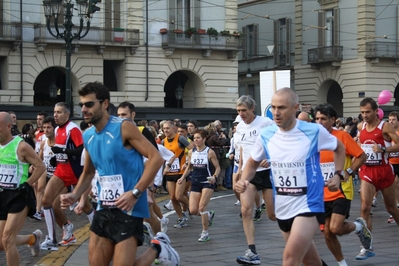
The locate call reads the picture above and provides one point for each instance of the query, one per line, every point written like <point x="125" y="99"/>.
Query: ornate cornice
<point x="327" y="2"/>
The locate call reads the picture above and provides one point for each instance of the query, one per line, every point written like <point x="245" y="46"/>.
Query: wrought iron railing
<point x="382" y="49"/>
<point x="325" y="54"/>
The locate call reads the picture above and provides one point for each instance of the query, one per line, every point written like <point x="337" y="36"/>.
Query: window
<point x="251" y="41"/>
<point x="282" y="42"/>
<point x="329" y="36"/>
<point x="251" y="90"/>
<point x="184" y="14"/>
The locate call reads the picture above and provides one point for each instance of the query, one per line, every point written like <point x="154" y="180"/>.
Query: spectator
<point x="28" y="134"/>
<point x="14" y="128"/>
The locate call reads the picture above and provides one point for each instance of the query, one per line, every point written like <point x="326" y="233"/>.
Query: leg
<point x="203" y="204"/>
<point x="268" y="198"/>
<point x="366" y="196"/>
<point x="299" y="243"/>
<point x="153" y="220"/>
<point x="181" y="196"/>
<point x="235" y="179"/>
<point x="247" y="201"/>
<point x="101" y="250"/>
<point x="194" y="202"/>
<point x="175" y="202"/>
<point x="390" y="202"/>
<point x="331" y="239"/>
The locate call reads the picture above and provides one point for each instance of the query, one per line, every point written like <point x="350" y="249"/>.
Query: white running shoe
<point x="148" y="233"/>
<point x="169" y="206"/>
<point x="35" y="248"/>
<point x="164" y="225"/>
<point x="168" y="255"/>
<point x="238" y="203"/>
<point x="67" y="231"/>
<point x="49" y="244"/>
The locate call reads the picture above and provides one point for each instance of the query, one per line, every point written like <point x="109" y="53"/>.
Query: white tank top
<point x="47" y="155"/>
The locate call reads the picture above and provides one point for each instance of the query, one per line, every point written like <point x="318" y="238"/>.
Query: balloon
<point x="380" y="114"/>
<point x="384" y="97"/>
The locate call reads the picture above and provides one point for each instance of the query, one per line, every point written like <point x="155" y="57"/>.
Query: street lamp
<point x="52" y="10"/>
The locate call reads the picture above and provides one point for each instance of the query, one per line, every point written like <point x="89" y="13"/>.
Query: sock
<point x="342" y="263"/>
<point x="163" y="220"/>
<point x="252" y="248"/>
<point x="90" y="216"/>
<point x="358" y="227"/>
<point x="156" y="246"/>
<point x="32" y="239"/>
<point x="50" y="221"/>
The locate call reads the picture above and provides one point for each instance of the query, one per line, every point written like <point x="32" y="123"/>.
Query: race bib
<point x="373" y="158"/>
<point x="200" y="160"/>
<point x="328" y="170"/>
<point x="175" y="167"/>
<point x="289" y="178"/>
<point x="8" y="176"/>
<point x="62" y="158"/>
<point x="111" y="189"/>
<point x="394" y="155"/>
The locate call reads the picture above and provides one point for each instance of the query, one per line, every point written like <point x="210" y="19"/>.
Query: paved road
<point x="228" y="240"/>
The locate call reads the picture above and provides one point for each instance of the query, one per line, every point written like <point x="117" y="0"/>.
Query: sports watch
<point x="349" y="171"/>
<point x="340" y="173"/>
<point x="136" y="193"/>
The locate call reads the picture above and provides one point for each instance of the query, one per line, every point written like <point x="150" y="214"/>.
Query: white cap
<point x="238" y="119"/>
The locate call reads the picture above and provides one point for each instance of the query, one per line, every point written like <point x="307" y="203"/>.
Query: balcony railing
<point x="96" y="36"/>
<point x="180" y="40"/>
<point x="10" y="31"/>
<point x="325" y="54"/>
<point x="382" y="50"/>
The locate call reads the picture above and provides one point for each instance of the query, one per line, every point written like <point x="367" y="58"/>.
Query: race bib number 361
<point x="111" y="189"/>
<point x="289" y="178"/>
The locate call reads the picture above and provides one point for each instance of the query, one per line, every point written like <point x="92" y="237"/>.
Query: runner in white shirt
<point x="292" y="147"/>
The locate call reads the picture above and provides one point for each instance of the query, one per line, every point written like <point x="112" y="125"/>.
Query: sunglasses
<point x="90" y="104"/>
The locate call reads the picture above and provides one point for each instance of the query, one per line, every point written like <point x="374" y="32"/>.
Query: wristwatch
<point x="349" y="171"/>
<point x="340" y="173"/>
<point x="136" y="193"/>
<point x="384" y="149"/>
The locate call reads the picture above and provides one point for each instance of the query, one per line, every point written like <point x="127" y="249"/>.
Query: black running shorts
<point x="261" y="180"/>
<point x="286" y="225"/>
<point x="339" y="206"/>
<point x="13" y="201"/>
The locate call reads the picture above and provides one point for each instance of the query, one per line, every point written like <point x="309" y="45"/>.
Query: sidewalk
<point x="228" y="240"/>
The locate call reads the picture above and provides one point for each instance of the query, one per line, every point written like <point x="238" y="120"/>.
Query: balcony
<point x="204" y="42"/>
<point x="98" y="37"/>
<point x="325" y="54"/>
<point x="382" y="50"/>
<point x="11" y="32"/>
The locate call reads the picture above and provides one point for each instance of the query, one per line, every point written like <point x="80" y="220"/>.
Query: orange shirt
<point x="180" y="160"/>
<point x="394" y="156"/>
<point x="352" y="149"/>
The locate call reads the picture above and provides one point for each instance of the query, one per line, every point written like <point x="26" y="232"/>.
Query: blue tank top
<point x="200" y="163"/>
<point x="119" y="168"/>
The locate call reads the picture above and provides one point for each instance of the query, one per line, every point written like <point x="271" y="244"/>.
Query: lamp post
<point x="52" y="10"/>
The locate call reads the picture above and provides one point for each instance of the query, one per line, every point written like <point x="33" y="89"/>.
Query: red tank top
<point x="368" y="139"/>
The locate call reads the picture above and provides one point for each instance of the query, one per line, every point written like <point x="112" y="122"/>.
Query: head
<point x="169" y="129"/>
<point x="200" y="137"/>
<point x="177" y="122"/>
<point x="83" y="126"/>
<point x="210" y="128"/>
<point x="326" y="116"/>
<point x="127" y="110"/>
<point x="5" y="128"/>
<point x="13" y="117"/>
<point x="218" y="125"/>
<point x="192" y="126"/>
<point x="61" y="113"/>
<point x="245" y="107"/>
<point x="284" y="105"/>
<point x="94" y="101"/>
<point x="28" y="129"/>
<point x="304" y="116"/>
<point x="161" y="126"/>
<point x="369" y="110"/>
<point x="154" y="124"/>
<point x="39" y="119"/>
<point x="153" y="131"/>
<point x="49" y="126"/>
<point x="393" y="119"/>
<point x="182" y="130"/>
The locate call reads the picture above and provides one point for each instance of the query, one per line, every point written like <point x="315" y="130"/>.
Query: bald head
<point x="5" y="128"/>
<point x="292" y="97"/>
<point x="5" y="118"/>
<point x="304" y="116"/>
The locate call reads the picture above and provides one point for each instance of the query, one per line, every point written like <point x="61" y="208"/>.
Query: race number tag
<point x="328" y="170"/>
<point x="8" y="176"/>
<point x="199" y="160"/>
<point x="394" y="155"/>
<point x="373" y="158"/>
<point x="62" y="158"/>
<point x="289" y="178"/>
<point x="111" y="188"/>
<point x="175" y="168"/>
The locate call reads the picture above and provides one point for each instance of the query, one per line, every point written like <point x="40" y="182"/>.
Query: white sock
<point x="90" y="216"/>
<point x="50" y="221"/>
<point x="342" y="263"/>
<point x="358" y="227"/>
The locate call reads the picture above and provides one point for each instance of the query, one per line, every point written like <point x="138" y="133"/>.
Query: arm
<point x="339" y="161"/>
<point x="28" y="155"/>
<point x="247" y="174"/>
<point x="389" y="131"/>
<point x="188" y="168"/>
<point x="212" y="157"/>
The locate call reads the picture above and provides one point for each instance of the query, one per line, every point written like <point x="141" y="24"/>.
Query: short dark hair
<point x="202" y="132"/>
<point x="370" y="101"/>
<point x="44" y="114"/>
<point x="124" y="104"/>
<point x="326" y="109"/>
<point x="394" y="113"/>
<point x="194" y="122"/>
<point x="50" y="119"/>
<point x="183" y="126"/>
<point x="101" y="92"/>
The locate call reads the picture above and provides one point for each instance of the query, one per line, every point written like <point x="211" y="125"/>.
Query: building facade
<point x="338" y="51"/>
<point x="142" y="51"/>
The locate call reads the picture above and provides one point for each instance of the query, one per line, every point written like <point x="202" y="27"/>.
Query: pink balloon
<point x="384" y="97"/>
<point x="380" y="114"/>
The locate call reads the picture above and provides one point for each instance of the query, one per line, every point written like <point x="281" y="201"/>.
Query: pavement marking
<point x="61" y="256"/>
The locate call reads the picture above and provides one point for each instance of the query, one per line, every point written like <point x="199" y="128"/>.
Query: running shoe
<point x="211" y="215"/>
<point x="185" y="216"/>
<point x="365" y="236"/>
<point x="258" y="215"/>
<point x="148" y="233"/>
<point x="240" y="215"/>
<point x="35" y="248"/>
<point x="263" y="207"/>
<point x="49" y="244"/>
<point x="164" y="225"/>
<point x="391" y="220"/>
<point x="249" y="258"/>
<point x="67" y="242"/>
<point x="204" y="237"/>
<point x="168" y="255"/>
<point x="67" y="231"/>
<point x="169" y="206"/>
<point x="238" y="203"/>
<point x="181" y="222"/>
<point x="365" y="254"/>
<point x="374" y="202"/>
<point x="37" y="216"/>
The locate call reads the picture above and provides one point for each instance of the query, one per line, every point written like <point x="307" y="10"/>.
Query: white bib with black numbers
<point x="328" y="170"/>
<point x="8" y="176"/>
<point x="111" y="188"/>
<point x="373" y="158"/>
<point x="289" y="178"/>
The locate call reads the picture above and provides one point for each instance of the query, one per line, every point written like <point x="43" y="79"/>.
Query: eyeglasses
<point x="90" y="104"/>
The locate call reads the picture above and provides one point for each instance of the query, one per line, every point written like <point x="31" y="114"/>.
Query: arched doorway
<point x="396" y="95"/>
<point x="52" y="75"/>
<point x="174" y="90"/>
<point x="330" y="92"/>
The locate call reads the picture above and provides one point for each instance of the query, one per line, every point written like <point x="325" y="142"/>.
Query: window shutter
<point x="172" y="15"/>
<point x="288" y="44"/>
<point x="276" y="51"/>
<point x="244" y="43"/>
<point x="336" y="27"/>
<point x="197" y="14"/>
<point x="256" y="41"/>
<point x="321" y="32"/>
